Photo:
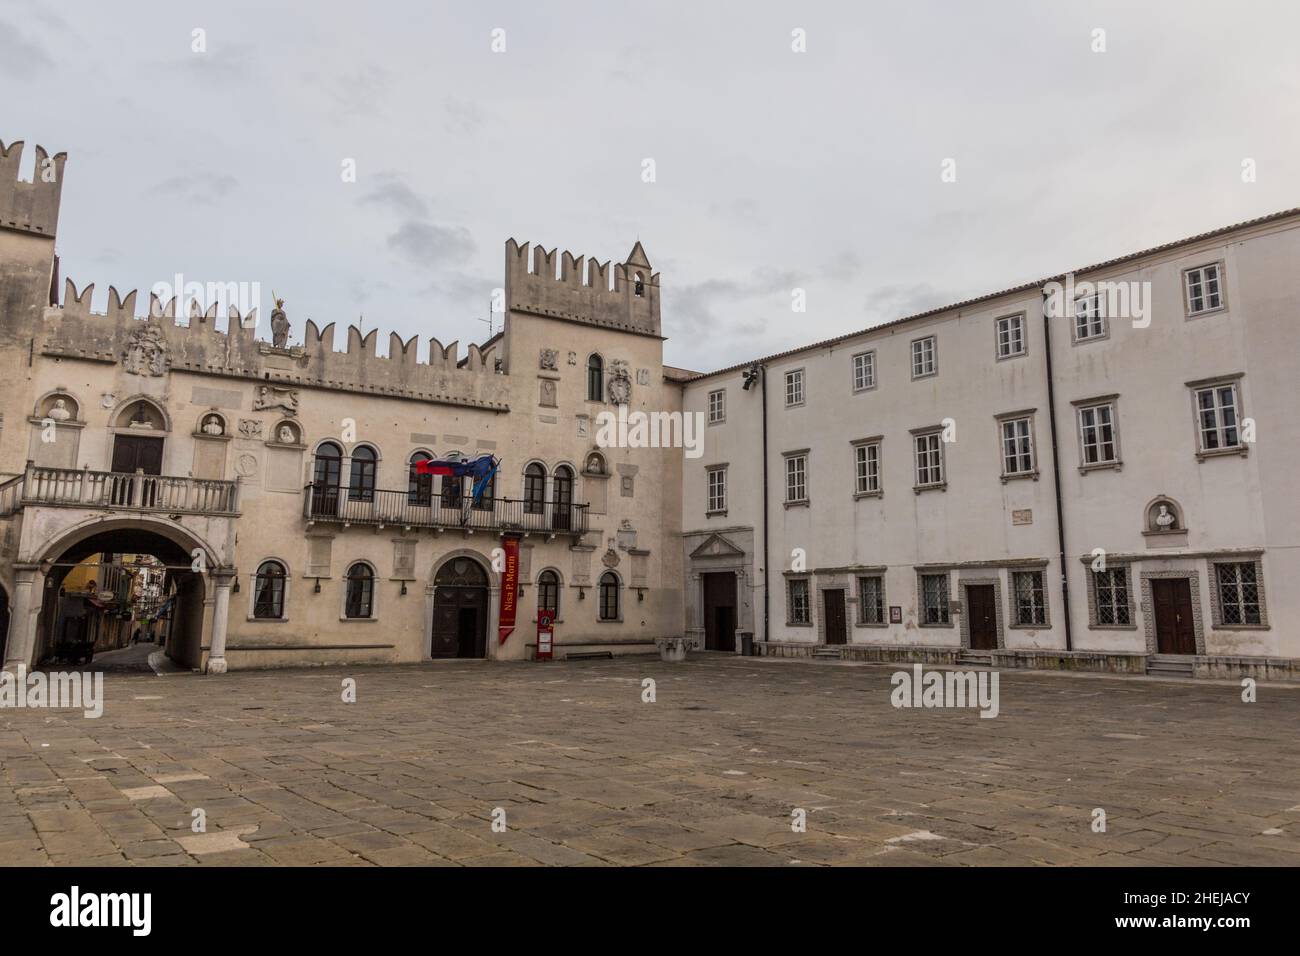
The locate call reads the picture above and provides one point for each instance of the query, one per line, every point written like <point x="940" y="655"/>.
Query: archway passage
<point x="460" y="610"/>
<point x="113" y="598"/>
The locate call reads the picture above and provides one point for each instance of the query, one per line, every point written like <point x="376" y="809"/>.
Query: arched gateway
<point x="78" y="589"/>
<point x="460" y="609"/>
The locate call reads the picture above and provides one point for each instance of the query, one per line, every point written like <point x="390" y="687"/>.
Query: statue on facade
<point x="212" y="426"/>
<point x="60" y="411"/>
<point x="279" y="324"/>
<point x="1165" y="520"/>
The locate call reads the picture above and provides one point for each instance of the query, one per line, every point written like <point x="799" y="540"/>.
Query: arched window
<point x="595" y="379"/>
<point x="548" y="593"/>
<point x="359" y="600"/>
<point x="609" y="610"/>
<point x="268" y="591"/>
<point x="326" y="472"/>
<point x="419" y="487"/>
<point x="361" y="483"/>
<point x="534" y="489"/>
<point x="562" y="499"/>
<point x="452" y="487"/>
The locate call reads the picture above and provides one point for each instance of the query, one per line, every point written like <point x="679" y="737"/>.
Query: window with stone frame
<point x="548" y="593"/>
<point x="1030" y="598"/>
<point x="1098" y="435"/>
<point x="1017" y="447"/>
<point x="609" y="597"/>
<point x="794" y="387"/>
<point x="925" y="359"/>
<point x="359" y="597"/>
<point x="871" y="599"/>
<point x="1111" y="596"/>
<point x="798" y="608"/>
<point x="717" y="490"/>
<point x="1238" y="593"/>
<point x="1218" y="415"/>
<point x="866" y="468"/>
<point x="268" y="591"/>
<point x="1011" y="336"/>
<point x="934" y="600"/>
<point x="929" y="459"/>
<point x="717" y="406"/>
<point x="864" y="371"/>
<point x="796" y="479"/>
<point x="1204" y="289"/>
<point x="1089" y="318"/>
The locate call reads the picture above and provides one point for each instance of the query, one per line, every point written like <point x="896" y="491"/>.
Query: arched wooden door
<point x="460" y="610"/>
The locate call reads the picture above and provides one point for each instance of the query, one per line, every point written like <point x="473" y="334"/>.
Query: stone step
<point x="980" y="658"/>
<point x="1170" y="665"/>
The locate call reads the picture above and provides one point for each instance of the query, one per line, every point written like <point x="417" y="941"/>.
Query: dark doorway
<point x="982" y="616"/>
<point x="833" y="605"/>
<point x="132" y="453"/>
<point x="460" y="610"/>
<point x="1172" y="600"/>
<point x="720" y="611"/>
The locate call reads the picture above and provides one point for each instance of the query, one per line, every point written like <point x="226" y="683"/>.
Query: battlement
<point x="30" y="206"/>
<point x="71" y="330"/>
<point x="580" y="291"/>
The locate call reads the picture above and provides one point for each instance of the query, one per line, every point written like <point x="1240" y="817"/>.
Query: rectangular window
<point x="934" y="599"/>
<point x="1097" y="434"/>
<point x="794" y="387"/>
<point x="1111" y="588"/>
<point x="1031" y="602"/>
<point x="1204" y="289"/>
<point x="1011" y="336"/>
<point x="799" y="608"/>
<point x="1217" y="417"/>
<point x="864" y="371"/>
<point x="717" y="490"/>
<point x="929" y="459"/>
<point x="796" y="478"/>
<point x="924" y="361"/>
<point x="1017" y="447"/>
<point x="1238" y="593"/>
<point x="866" y="468"/>
<point x="1089" y="318"/>
<point x="717" y="406"/>
<point x="871" y="600"/>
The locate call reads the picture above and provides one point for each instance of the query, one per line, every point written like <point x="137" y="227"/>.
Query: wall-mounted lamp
<point x="403" y="587"/>
<point x="316" y="589"/>
<point x="235" y="589"/>
<point x="640" y="595"/>
<point x="582" y="594"/>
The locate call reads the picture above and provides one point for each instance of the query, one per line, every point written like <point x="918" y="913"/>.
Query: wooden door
<point x="720" y="611"/>
<point x="982" y="616"/>
<point x="836" y="623"/>
<point x="459" y="622"/>
<point x="1172" y="601"/>
<point x="133" y="453"/>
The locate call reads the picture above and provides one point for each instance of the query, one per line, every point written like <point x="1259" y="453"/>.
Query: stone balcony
<point x="116" y="491"/>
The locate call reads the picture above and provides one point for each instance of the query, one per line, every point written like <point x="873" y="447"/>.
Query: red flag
<point x="509" y="589"/>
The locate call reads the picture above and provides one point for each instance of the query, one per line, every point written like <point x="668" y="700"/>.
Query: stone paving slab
<point x="431" y="762"/>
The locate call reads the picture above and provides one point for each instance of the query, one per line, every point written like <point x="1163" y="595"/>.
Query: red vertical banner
<point x="509" y="589"/>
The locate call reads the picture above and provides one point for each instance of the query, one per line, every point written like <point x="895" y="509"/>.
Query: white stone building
<point x="1111" y="487"/>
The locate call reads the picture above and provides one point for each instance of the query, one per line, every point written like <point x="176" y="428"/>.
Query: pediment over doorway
<point x="716" y="546"/>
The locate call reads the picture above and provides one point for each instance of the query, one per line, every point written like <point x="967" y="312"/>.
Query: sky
<point x="908" y="156"/>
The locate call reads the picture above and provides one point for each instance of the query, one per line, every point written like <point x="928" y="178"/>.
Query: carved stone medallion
<point x="620" y="382"/>
<point x="146" y="352"/>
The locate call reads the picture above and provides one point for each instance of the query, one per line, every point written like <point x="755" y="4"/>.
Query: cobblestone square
<point x="415" y="771"/>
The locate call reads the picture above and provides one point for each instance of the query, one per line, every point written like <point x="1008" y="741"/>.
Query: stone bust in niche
<point x="1162" y="518"/>
<point x="59" y="411"/>
<point x="212" y="426"/>
<point x="286" y="435"/>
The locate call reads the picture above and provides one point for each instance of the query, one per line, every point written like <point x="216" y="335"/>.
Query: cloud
<point x="394" y="193"/>
<point x="899" y="301"/>
<point x="430" y="244"/>
<point x="20" y="56"/>
<point x="200" y="188"/>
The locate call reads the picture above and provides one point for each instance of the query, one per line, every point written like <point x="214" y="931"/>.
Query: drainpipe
<point x="1056" y="475"/>
<point x="767" y="600"/>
